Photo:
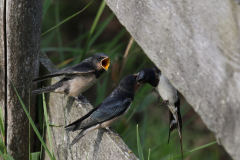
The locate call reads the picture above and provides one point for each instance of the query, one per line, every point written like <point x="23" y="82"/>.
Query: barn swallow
<point x="110" y="110"/>
<point x="168" y="93"/>
<point x="78" y="78"/>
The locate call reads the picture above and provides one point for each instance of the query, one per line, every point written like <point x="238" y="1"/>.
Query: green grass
<point x="47" y="122"/>
<point x="3" y="150"/>
<point x="196" y="149"/>
<point x="65" y="20"/>
<point x="149" y="154"/>
<point x="29" y="128"/>
<point x="34" y="126"/>
<point x="35" y="155"/>
<point x="99" y="13"/>
<point x="140" y="153"/>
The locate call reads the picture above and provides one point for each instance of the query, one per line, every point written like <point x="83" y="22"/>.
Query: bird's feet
<point x="81" y="100"/>
<point x="111" y="131"/>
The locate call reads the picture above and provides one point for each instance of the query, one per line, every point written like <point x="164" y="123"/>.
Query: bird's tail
<point x="69" y="128"/>
<point x="84" y="132"/>
<point x="49" y="88"/>
<point x="173" y="124"/>
<point x="43" y="90"/>
<point x="77" y="138"/>
<point x="77" y="124"/>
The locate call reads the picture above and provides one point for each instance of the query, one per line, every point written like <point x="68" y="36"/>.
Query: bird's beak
<point x="141" y="79"/>
<point x="105" y="63"/>
<point x="136" y="75"/>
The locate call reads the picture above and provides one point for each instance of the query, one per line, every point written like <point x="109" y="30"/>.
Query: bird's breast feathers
<point x="167" y="91"/>
<point x="81" y="83"/>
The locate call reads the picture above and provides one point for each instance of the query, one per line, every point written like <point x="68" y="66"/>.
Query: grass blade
<point x="2" y="147"/>
<point x="115" y="41"/>
<point x="100" y="29"/>
<point x="101" y="90"/>
<point x="130" y="43"/>
<point x="6" y="157"/>
<point x="58" y="30"/>
<point x="99" y="13"/>
<point x="64" y="63"/>
<point x="65" y="20"/>
<point x="47" y="121"/>
<point x="140" y="153"/>
<point x="65" y="113"/>
<point x="48" y="39"/>
<point x="2" y="126"/>
<point x="149" y="151"/>
<point x="43" y="131"/>
<point x="78" y="39"/>
<point x="54" y="125"/>
<point x="29" y="127"/>
<point x="2" y="155"/>
<point x="98" y="33"/>
<point x="3" y="150"/>
<point x="46" y="5"/>
<point x="201" y="147"/>
<point x="35" y="155"/>
<point x="40" y="113"/>
<point x="32" y="123"/>
<point x="47" y="49"/>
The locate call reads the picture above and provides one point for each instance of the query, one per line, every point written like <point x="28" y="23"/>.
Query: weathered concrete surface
<point x="196" y="44"/>
<point x="20" y="29"/>
<point x="62" y="111"/>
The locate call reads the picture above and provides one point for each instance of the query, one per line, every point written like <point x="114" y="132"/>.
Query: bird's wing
<point x="77" y="123"/>
<point x="81" y="68"/>
<point x="177" y="104"/>
<point x="107" y="111"/>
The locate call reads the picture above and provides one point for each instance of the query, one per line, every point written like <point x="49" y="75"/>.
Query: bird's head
<point x="149" y="75"/>
<point x="101" y="61"/>
<point x="130" y="83"/>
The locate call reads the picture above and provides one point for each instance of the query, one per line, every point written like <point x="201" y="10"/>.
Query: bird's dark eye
<point x="100" y="58"/>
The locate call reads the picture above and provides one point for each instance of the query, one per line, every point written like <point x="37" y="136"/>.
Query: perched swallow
<point x="78" y="78"/>
<point x="168" y="93"/>
<point x="110" y="110"/>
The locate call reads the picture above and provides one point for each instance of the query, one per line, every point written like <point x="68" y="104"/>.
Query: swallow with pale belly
<point x="168" y="93"/>
<point x="78" y="78"/>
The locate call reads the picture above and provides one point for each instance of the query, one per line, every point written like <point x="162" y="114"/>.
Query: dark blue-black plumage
<point x="149" y="75"/>
<point x="112" y="108"/>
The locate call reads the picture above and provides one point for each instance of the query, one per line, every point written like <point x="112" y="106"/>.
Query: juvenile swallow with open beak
<point x="110" y="110"/>
<point x="168" y="93"/>
<point x="78" y="78"/>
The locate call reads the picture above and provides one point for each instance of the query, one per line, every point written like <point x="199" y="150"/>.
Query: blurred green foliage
<point x="96" y="29"/>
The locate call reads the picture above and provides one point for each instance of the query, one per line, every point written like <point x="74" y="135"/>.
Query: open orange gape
<point x="105" y="63"/>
